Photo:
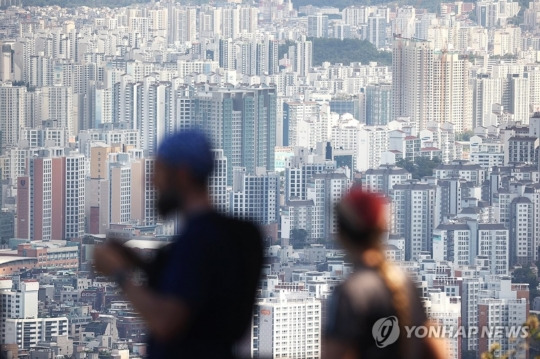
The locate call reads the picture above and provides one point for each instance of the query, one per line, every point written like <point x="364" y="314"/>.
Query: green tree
<point x="464" y="136"/>
<point x="421" y="166"/>
<point x="527" y="275"/>
<point x="406" y="164"/>
<point x="425" y="166"/>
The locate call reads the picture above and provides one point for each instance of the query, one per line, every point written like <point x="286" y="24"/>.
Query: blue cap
<point x="188" y="148"/>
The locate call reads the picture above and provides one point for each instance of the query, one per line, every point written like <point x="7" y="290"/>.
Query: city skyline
<point x="448" y="134"/>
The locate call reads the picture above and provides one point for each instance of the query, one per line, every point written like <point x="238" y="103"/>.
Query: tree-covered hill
<point x="343" y="51"/>
<point x="347" y="51"/>
<point x="432" y="5"/>
<point x="76" y="3"/>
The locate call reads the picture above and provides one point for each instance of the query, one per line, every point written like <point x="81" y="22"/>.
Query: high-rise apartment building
<point x="519" y="97"/>
<point x="325" y="190"/>
<point x="183" y="26"/>
<point x="502" y="304"/>
<point x="5" y="62"/>
<point x="230" y="22"/>
<point x="487" y="91"/>
<point x="55" y="103"/>
<point x="317" y="25"/>
<point x="355" y="15"/>
<point x="217" y="183"/>
<point x="412" y="80"/>
<point x="522" y="231"/>
<point x="287" y="326"/>
<point x="297" y="175"/>
<point x="404" y="23"/>
<point x="240" y="120"/>
<point x="293" y="113"/>
<point x="13" y="114"/>
<point x="372" y="142"/>
<point x="445" y="311"/>
<point x="120" y="177"/>
<point x="75" y="174"/>
<point x="376" y="30"/>
<point x="462" y="243"/>
<point x="303" y="57"/>
<point x="384" y="178"/>
<point x="51" y="196"/>
<point x="379" y="104"/>
<point x="41" y="199"/>
<point x="156" y="120"/>
<point x="414" y="216"/>
<point x="452" y="95"/>
<point x="255" y="196"/>
<point x="226" y="54"/>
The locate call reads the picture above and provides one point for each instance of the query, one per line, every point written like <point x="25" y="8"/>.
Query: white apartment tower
<point x="184" y="25"/>
<point x="5" y="62"/>
<point x="462" y="243"/>
<point x="487" y="91"/>
<point x="519" y="97"/>
<point x="452" y="96"/>
<point x="414" y="216"/>
<point x="55" y="103"/>
<point x="303" y="57"/>
<point x="217" y="182"/>
<point x="445" y="311"/>
<point x="412" y="80"/>
<point x="521" y="231"/>
<point x="287" y="326"/>
<point x="372" y="143"/>
<point x="502" y="304"/>
<point x="255" y="196"/>
<point x="384" y="178"/>
<point x="119" y="188"/>
<point x="230" y="22"/>
<point x="404" y="23"/>
<point x="156" y="117"/>
<point x="325" y="190"/>
<point x="377" y="30"/>
<point x="12" y="113"/>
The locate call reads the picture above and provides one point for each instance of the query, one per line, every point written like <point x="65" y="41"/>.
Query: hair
<point x="391" y="275"/>
<point x="395" y="282"/>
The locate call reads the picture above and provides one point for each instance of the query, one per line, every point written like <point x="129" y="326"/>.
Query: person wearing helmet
<point x="200" y="290"/>
<point x="367" y="314"/>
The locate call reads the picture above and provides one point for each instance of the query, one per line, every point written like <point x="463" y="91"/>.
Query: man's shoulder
<point x="233" y="226"/>
<point x="230" y="230"/>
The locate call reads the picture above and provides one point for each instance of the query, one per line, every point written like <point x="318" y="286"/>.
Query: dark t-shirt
<point x="213" y="267"/>
<point x="360" y="304"/>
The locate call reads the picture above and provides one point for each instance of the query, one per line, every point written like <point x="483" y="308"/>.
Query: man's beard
<point x="168" y="202"/>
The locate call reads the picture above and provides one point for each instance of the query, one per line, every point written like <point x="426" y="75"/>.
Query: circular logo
<point x="385" y="331"/>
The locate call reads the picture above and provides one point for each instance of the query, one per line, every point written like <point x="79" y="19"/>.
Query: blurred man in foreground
<point x="368" y="313"/>
<point x="201" y="288"/>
